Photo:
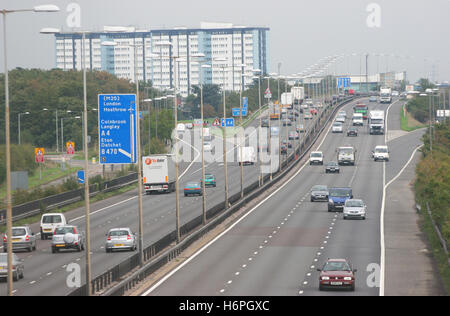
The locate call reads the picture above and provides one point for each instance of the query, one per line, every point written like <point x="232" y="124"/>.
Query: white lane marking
<point x="171" y="273"/>
<point x="383" y="206"/>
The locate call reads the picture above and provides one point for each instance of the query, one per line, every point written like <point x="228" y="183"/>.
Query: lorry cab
<point x="346" y="155"/>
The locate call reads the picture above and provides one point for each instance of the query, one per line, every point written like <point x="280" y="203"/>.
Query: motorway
<point x="46" y="274"/>
<point x="277" y="246"/>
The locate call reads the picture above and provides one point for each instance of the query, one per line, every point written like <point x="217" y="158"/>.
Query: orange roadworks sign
<point x="39" y="155"/>
<point x="70" y="148"/>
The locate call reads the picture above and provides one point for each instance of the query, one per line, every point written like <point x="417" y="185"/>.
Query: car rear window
<point x="51" y="219"/>
<point x="340" y="192"/>
<point x="118" y="233"/>
<point x="19" y="232"/>
<point x="65" y="230"/>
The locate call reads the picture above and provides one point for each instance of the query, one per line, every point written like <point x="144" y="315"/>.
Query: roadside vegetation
<point x="432" y="186"/>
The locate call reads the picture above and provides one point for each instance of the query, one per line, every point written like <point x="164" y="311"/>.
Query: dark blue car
<point x="337" y="198"/>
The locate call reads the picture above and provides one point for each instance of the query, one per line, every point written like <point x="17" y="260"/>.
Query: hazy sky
<point x="301" y="32"/>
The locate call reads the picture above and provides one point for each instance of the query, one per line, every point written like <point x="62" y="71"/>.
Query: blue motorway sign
<point x="80" y="176"/>
<point x="344" y="83"/>
<point x="237" y="111"/>
<point x="229" y="122"/>
<point x="117" y="128"/>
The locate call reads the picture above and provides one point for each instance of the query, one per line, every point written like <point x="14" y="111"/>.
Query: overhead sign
<point x="70" y="148"/>
<point x="344" y="83"/>
<point x="237" y="111"/>
<point x="117" y="128"/>
<point x="39" y="155"/>
<point x="228" y="122"/>
<point x="443" y="113"/>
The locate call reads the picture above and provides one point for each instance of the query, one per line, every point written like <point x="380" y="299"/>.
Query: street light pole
<point x="4" y="12"/>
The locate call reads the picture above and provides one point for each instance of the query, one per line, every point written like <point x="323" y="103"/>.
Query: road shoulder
<point x="410" y="267"/>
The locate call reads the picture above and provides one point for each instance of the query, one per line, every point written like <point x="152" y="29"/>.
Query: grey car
<point x="120" y="239"/>
<point x="17" y="268"/>
<point x="319" y="193"/>
<point x="68" y="237"/>
<point x="333" y="167"/>
<point x="22" y="239"/>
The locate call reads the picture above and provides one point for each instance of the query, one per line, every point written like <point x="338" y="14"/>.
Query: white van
<point x="49" y="222"/>
<point x="358" y="119"/>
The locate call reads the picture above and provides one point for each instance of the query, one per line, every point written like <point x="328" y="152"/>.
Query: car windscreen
<point x="19" y="232"/>
<point x="337" y="124"/>
<point x="376" y="121"/>
<point x="354" y="203"/>
<point x="319" y="188"/>
<point x="316" y="155"/>
<point x="51" y="219"/>
<point x="332" y="164"/>
<point x="340" y="192"/>
<point x="336" y="266"/>
<point x="347" y="151"/>
<point x="381" y="150"/>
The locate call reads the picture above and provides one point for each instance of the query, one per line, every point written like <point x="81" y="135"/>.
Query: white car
<point x="207" y="146"/>
<point x="380" y="153"/>
<point x="342" y="113"/>
<point x="337" y="127"/>
<point x="340" y="118"/>
<point x="355" y="208"/>
<point x="316" y="157"/>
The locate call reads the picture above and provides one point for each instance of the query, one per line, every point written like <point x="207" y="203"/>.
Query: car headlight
<point x="325" y="278"/>
<point x="347" y="279"/>
<point x="330" y="201"/>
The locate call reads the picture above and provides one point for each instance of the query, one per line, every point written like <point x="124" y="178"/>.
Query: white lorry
<point x="207" y="137"/>
<point x="376" y="122"/>
<point x="346" y="155"/>
<point x="248" y="155"/>
<point x="385" y="95"/>
<point x="298" y="95"/>
<point x="287" y="100"/>
<point x="158" y="173"/>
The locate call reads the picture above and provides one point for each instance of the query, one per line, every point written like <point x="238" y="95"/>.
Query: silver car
<point x="120" y="239"/>
<point x="22" y="239"/>
<point x="319" y="193"/>
<point x="17" y="268"/>
<point x="355" y="208"/>
<point x="68" y="237"/>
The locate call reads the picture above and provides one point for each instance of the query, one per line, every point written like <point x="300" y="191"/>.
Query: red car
<point x="337" y="273"/>
<point x="313" y="111"/>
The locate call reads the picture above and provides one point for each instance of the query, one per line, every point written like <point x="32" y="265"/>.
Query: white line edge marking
<point x="383" y="202"/>
<point x="167" y="276"/>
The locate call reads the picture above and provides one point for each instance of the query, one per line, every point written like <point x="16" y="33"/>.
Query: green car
<point x="210" y="180"/>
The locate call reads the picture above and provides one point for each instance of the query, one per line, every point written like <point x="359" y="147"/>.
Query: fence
<point x="62" y="199"/>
